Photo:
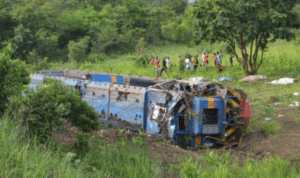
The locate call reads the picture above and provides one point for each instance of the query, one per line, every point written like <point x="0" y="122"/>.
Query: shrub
<point x="95" y="57"/>
<point x="142" y="60"/>
<point x="46" y="108"/>
<point x="14" y="75"/>
<point x="78" y="50"/>
<point x="82" y="144"/>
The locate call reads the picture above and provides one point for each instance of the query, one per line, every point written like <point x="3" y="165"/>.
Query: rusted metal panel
<point x="127" y="105"/>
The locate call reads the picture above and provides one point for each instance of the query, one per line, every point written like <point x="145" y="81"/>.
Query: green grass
<point x="271" y="127"/>
<point x="281" y="60"/>
<point x="215" y="166"/>
<point x="21" y="157"/>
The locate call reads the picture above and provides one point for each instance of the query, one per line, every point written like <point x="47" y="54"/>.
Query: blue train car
<point x="191" y="113"/>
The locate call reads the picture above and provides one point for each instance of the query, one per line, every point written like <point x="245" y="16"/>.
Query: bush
<point x="14" y="75"/>
<point x="82" y="144"/>
<point x="78" y="50"/>
<point x="46" y="109"/>
<point x="143" y="60"/>
<point x="95" y="57"/>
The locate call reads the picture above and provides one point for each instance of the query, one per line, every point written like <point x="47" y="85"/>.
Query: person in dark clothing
<point x="189" y="56"/>
<point x="164" y="63"/>
<point x="159" y="71"/>
<point x="230" y="59"/>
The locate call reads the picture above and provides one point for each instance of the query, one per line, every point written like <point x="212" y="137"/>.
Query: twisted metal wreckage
<point x="192" y="113"/>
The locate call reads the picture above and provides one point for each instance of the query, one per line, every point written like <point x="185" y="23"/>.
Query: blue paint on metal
<point x="120" y="80"/>
<point x="101" y="78"/>
<point x="127" y="103"/>
<point x="97" y="96"/>
<point x="220" y="107"/>
<point x="35" y="79"/>
<point x="154" y="97"/>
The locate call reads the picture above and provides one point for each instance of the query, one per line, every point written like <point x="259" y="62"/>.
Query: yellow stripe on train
<point x="230" y="131"/>
<point x="235" y="104"/>
<point x="211" y="103"/>
<point x="114" y="79"/>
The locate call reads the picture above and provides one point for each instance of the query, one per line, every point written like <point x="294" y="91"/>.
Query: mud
<point x="124" y="123"/>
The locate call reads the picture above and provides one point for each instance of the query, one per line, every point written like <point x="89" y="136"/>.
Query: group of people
<point x="166" y="62"/>
<point x="193" y="63"/>
<point x="190" y="64"/>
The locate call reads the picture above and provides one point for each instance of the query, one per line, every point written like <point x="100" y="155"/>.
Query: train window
<point x="210" y="116"/>
<point x="181" y="125"/>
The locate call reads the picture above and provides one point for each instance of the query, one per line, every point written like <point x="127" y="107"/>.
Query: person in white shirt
<point x="187" y="64"/>
<point x="203" y="58"/>
<point x="168" y="62"/>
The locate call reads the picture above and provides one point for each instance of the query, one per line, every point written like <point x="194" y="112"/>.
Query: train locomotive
<point x="191" y="113"/>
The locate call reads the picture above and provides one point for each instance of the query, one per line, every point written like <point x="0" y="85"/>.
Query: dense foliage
<point x="46" y="109"/>
<point x="14" y="75"/>
<point x="75" y="30"/>
<point x="244" y="23"/>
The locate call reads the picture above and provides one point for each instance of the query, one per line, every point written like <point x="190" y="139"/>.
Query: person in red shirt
<point x="215" y="59"/>
<point x="206" y="59"/>
<point x="152" y="61"/>
<point x="157" y="62"/>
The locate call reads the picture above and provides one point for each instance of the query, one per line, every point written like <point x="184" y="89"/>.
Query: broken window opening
<point x="77" y="87"/>
<point x="210" y="116"/>
<point x="188" y="88"/>
<point x="181" y="125"/>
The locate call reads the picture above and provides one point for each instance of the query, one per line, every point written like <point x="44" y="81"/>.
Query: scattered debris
<point x="251" y="78"/>
<point x="224" y="79"/>
<point x="268" y="119"/>
<point x="196" y="79"/>
<point x="277" y="104"/>
<point x="214" y="80"/>
<point x="296" y="94"/>
<point x="103" y="132"/>
<point x="282" y="81"/>
<point x="297" y="103"/>
<point x="280" y="115"/>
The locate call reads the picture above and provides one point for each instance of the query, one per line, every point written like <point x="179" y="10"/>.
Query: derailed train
<point x="191" y="113"/>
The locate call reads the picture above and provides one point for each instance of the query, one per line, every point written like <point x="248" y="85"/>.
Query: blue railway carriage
<point x="194" y="114"/>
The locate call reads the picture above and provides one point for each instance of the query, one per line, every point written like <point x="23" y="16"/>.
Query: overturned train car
<point x="191" y="113"/>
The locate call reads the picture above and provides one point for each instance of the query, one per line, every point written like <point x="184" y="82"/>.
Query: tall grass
<point x="21" y="157"/>
<point x="222" y="166"/>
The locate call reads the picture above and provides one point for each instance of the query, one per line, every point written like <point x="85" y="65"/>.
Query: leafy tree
<point x="78" y="50"/>
<point x="14" y="75"/>
<point x="7" y="25"/>
<point x="22" y="43"/>
<point x="178" y="6"/>
<point x="168" y="30"/>
<point x="245" y="23"/>
<point x="46" y="108"/>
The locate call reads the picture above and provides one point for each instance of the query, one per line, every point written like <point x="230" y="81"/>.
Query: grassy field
<point x="20" y="157"/>
<point x="281" y="60"/>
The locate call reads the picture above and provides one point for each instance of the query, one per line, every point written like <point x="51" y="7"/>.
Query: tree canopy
<point x="245" y="24"/>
